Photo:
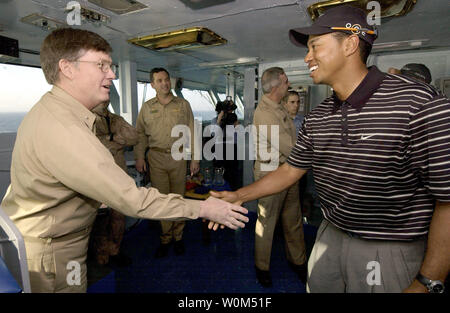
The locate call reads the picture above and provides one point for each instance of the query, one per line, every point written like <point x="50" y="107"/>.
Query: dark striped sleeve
<point x="430" y="146"/>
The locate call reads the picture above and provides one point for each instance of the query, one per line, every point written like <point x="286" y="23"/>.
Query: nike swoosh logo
<point x="366" y="137"/>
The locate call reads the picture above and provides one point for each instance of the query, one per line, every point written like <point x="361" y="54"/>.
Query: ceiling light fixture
<point x="201" y="4"/>
<point x="399" y="45"/>
<point x="120" y="6"/>
<point x="41" y="21"/>
<point x="387" y="7"/>
<point x="180" y="39"/>
<point x="297" y="73"/>
<point x="231" y="63"/>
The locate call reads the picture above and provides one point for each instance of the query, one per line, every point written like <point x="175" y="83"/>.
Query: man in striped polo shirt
<point x="379" y="148"/>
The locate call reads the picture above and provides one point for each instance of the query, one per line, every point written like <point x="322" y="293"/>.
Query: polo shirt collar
<point x="363" y="92"/>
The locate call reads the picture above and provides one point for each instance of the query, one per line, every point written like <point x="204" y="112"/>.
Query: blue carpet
<point x="225" y="265"/>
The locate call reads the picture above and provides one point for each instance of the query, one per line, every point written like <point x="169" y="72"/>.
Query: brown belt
<point x="165" y="150"/>
<point x="161" y="150"/>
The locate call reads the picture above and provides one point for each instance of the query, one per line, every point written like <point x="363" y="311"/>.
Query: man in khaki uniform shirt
<point x="60" y="171"/>
<point x="157" y="118"/>
<point x="115" y="134"/>
<point x="270" y="111"/>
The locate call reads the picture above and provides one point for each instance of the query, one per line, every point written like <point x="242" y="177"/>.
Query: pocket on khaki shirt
<point x="152" y="121"/>
<point x="154" y="114"/>
<point x="178" y="115"/>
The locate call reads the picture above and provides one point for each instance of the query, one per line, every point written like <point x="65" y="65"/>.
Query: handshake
<point x="223" y="213"/>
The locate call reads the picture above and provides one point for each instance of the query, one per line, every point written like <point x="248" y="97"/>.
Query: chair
<point x="12" y="251"/>
<point x="7" y="283"/>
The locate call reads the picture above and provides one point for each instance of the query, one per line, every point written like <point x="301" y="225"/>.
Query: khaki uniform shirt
<point x="155" y="122"/>
<point x="114" y="133"/>
<point x="60" y="173"/>
<point x="270" y="113"/>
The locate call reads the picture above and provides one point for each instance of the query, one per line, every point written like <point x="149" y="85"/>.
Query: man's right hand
<point x="140" y="165"/>
<point x="223" y="213"/>
<point x="228" y="196"/>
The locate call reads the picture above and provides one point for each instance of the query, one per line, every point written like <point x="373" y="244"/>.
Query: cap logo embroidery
<point x="356" y="29"/>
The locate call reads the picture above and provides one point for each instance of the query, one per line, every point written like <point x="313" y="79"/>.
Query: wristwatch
<point x="433" y="286"/>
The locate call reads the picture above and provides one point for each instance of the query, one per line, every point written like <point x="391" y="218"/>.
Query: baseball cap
<point x="343" y="18"/>
<point x="418" y="71"/>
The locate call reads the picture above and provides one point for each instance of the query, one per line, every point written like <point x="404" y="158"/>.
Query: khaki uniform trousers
<point x="286" y="204"/>
<point x="168" y="176"/>
<point x="341" y="263"/>
<point x="58" y="264"/>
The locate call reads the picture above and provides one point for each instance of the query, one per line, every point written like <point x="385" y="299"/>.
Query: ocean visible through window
<point x="10" y="121"/>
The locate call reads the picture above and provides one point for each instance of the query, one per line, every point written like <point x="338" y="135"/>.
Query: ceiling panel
<point x="253" y="28"/>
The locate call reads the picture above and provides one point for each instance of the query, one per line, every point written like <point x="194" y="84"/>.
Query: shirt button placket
<point x="344" y="125"/>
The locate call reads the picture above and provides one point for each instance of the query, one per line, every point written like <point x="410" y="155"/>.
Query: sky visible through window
<point x="22" y="86"/>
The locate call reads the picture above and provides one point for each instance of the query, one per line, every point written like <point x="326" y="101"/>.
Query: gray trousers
<point x="341" y="263"/>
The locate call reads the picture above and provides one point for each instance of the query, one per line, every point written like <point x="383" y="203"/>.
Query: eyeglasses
<point x="103" y="65"/>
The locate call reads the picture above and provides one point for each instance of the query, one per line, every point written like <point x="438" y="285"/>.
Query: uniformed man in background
<point x="115" y="134"/>
<point x="157" y="118"/>
<point x="285" y="204"/>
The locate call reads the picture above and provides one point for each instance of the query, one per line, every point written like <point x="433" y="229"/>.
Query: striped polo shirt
<point x="381" y="158"/>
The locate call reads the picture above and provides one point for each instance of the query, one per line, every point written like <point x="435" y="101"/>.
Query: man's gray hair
<point x="271" y="78"/>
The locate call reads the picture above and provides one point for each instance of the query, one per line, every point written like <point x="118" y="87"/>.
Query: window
<point x="201" y="103"/>
<point x="149" y="93"/>
<point x="222" y="96"/>
<point x="20" y="88"/>
<point x="240" y="107"/>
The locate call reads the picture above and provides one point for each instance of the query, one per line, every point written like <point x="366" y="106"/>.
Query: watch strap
<point x="429" y="283"/>
<point x="423" y="280"/>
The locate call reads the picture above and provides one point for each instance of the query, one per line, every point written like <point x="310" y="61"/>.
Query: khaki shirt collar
<point x="75" y="106"/>
<point x="272" y="104"/>
<point x="100" y="110"/>
<point x="156" y="100"/>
